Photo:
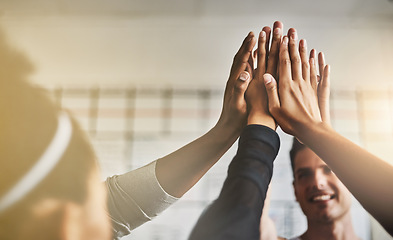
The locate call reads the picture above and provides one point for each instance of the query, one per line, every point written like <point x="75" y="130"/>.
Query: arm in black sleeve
<point x="237" y="211"/>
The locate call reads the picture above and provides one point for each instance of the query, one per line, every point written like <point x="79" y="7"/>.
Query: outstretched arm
<point x="180" y="170"/>
<point x="138" y="196"/>
<point x="294" y="105"/>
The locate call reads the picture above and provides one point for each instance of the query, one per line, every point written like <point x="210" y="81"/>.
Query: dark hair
<point x="28" y="123"/>
<point x="296" y="147"/>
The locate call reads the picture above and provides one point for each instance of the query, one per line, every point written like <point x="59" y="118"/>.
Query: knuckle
<point x="292" y="45"/>
<point x="261" y="50"/>
<point x="261" y="54"/>
<point x="296" y="60"/>
<point x="305" y="65"/>
<point x="271" y="88"/>
<point x="240" y="87"/>
<point x="285" y="61"/>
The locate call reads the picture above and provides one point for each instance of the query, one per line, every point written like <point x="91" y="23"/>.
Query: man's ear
<point x="294" y="190"/>
<point x="72" y="222"/>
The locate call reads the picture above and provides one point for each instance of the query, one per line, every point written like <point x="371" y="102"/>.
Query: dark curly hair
<point x="296" y="147"/>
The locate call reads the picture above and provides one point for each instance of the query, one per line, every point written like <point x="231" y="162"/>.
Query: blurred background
<point x="145" y="77"/>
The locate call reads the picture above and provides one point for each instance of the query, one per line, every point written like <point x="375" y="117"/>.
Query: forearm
<point x="267" y="227"/>
<point x="365" y="175"/>
<point x="135" y="198"/>
<point x="237" y="211"/>
<point x="180" y="170"/>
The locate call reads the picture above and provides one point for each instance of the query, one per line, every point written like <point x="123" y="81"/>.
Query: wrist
<point x="308" y="133"/>
<point x="228" y="128"/>
<point x="261" y="118"/>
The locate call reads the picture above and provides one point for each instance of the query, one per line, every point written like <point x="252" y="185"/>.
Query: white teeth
<point x="321" y="198"/>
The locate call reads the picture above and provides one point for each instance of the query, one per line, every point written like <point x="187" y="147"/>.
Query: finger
<point x="251" y="61"/>
<point x="294" y="55"/>
<point x="240" y="61"/>
<point x="324" y="95"/>
<point x="249" y="69"/>
<point x="272" y="93"/>
<point x="313" y="70"/>
<point x="278" y="24"/>
<point x="240" y="88"/>
<point x="244" y="52"/>
<point x="304" y="59"/>
<point x="321" y="63"/>
<point x="254" y="59"/>
<point x="255" y="54"/>
<point x="267" y="31"/>
<point x="261" y="55"/>
<point x="274" y="50"/>
<point x="313" y="53"/>
<point x="285" y="63"/>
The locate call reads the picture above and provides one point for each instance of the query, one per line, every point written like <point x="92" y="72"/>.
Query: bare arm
<point x="294" y="106"/>
<point x="267" y="228"/>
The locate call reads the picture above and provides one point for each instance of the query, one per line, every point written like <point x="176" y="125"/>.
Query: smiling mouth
<point x="322" y="197"/>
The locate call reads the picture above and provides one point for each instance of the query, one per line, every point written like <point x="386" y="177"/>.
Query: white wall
<point x="192" y="43"/>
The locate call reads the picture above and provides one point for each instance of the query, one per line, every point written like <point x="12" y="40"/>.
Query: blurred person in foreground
<point x="50" y="187"/>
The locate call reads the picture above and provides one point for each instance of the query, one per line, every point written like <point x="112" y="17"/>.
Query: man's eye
<point x="303" y="175"/>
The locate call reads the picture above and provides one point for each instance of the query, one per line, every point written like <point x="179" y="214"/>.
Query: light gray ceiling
<point x="134" y="8"/>
<point x="116" y="39"/>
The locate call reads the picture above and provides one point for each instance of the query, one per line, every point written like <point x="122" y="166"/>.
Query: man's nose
<point x="319" y="180"/>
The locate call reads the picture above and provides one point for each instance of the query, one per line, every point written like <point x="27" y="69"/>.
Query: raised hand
<point x="256" y="97"/>
<point x="180" y="170"/>
<point x="300" y="105"/>
<point x="295" y="103"/>
<point x="234" y="110"/>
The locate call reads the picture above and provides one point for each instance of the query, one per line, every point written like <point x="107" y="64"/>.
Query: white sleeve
<point x="135" y="198"/>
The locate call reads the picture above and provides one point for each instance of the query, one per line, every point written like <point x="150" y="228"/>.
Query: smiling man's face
<point x="321" y="195"/>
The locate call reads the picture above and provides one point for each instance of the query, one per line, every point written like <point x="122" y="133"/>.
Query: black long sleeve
<point x="236" y="213"/>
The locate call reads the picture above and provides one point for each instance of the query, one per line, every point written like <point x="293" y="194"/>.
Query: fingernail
<point x="304" y="43"/>
<point x="251" y="36"/>
<point x="262" y="34"/>
<point x="285" y="41"/>
<point x="277" y="31"/>
<point x="243" y="76"/>
<point x="294" y="36"/>
<point x="313" y="52"/>
<point x="267" y="79"/>
<point x="312" y="61"/>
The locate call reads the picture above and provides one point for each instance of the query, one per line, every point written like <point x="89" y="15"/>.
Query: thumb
<point x="241" y="86"/>
<point x="324" y="95"/>
<point x="272" y="94"/>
